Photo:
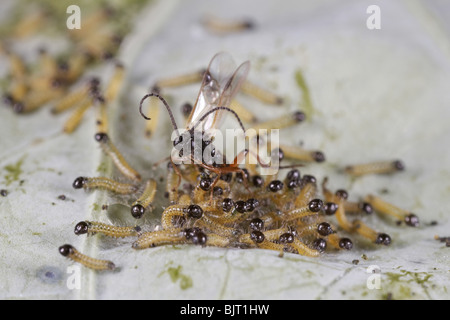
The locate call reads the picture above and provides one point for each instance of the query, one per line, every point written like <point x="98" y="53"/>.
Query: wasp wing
<point x="221" y="82"/>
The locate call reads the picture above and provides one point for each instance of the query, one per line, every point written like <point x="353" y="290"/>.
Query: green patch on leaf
<point x="13" y="171"/>
<point x="176" y="275"/>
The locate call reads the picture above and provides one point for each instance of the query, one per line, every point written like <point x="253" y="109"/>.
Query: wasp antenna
<point x="215" y="110"/>
<point x="169" y="110"/>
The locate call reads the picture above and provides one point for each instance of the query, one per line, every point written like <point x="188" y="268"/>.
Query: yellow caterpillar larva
<point x="308" y="191"/>
<point x="76" y="65"/>
<point x="75" y="118"/>
<point x="217" y="25"/>
<point x="215" y="240"/>
<point x="18" y="91"/>
<point x="36" y="99"/>
<point x="340" y="243"/>
<point x="213" y="225"/>
<point x="96" y="264"/>
<point x="274" y="234"/>
<point x="139" y="207"/>
<point x="367" y="232"/>
<point x="48" y="66"/>
<point x="243" y="113"/>
<point x="119" y="161"/>
<point x="382" y="167"/>
<point x="312" y="208"/>
<point x="105" y="184"/>
<point x="29" y="24"/>
<point x="261" y="94"/>
<point x="173" y="181"/>
<point x="102" y="117"/>
<point x="70" y="100"/>
<point x="97" y="44"/>
<point x="169" y="215"/>
<point x="358" y="207"/>
<point x="93" y="227"/>
<point x="389" y="209"/>
<point x="91" y="23"/>
<point x="18" y="70"/>
<point x="303" y="249"/>
<point x="180" y="80"/>
<point x="298" y="153"/>
<point x="341" y="217"/>
<point x="258" y="239"/>
<point x="160" y="237"/>
<point x="115" y="83"/>
<point x="284" y="121"/>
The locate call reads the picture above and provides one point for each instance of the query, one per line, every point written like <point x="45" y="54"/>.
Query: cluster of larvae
<point x="236" y="207"/>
